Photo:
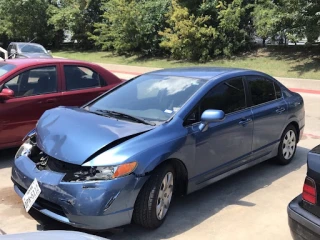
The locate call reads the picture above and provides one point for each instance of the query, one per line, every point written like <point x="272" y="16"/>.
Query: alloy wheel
<point x="164" y="196"/>
<point x="289" y="144"/>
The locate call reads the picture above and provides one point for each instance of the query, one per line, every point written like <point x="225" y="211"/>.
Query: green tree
<point x="310" y="17"/>
<point x="234" y="33"/>
<point x="188" y="36"/>
<point x="77" y="16"/>
<point x="266" y="19"/>
<point x="131" y="26"/>
<point x="25" y="19"/>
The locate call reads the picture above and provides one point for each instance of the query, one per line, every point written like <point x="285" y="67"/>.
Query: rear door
<point x="36" y="90"/>
<point x="269" y="113"/>
<point x="81" y="84"/>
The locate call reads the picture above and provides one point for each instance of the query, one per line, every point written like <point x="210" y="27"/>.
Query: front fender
<point x="153" y="157"/>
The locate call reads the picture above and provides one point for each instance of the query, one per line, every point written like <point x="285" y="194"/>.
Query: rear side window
<point x="262" y="90"/>
<point x="4" y="68"/>
<point x="278" y="90"/>
<point x="79" y="77"/>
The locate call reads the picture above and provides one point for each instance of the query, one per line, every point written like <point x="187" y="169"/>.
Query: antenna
<point x="23" y="47"/>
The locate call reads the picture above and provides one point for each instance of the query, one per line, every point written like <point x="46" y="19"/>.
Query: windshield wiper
<point x="127" y="116"/>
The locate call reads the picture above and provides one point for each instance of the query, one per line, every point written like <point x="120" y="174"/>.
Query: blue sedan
<point x="123" y="156"/>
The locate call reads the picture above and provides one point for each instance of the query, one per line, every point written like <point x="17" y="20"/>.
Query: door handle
<point x="245" y="121"/>
<point x="280" y="110"/>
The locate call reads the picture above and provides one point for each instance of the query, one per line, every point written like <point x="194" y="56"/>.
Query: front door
<point x="223" y="145"/>
<point x="36" y="90"/>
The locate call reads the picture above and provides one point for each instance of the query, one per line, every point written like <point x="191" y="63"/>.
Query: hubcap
<point x="164" y="196"/>
<point x="289" y="144"/>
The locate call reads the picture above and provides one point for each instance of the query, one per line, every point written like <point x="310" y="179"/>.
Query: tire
<point x="287" y="146"/>
<point x="145" y="211"/>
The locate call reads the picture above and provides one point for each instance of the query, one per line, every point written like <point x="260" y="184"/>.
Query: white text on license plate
<point x="31" y="195"/>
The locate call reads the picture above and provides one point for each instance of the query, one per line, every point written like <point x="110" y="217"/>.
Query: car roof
<point x="201" y="72"/>
<point x="26" y="62"/>
<point x="26" y="43"/>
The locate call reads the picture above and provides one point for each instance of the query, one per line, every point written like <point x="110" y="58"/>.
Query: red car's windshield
<point x="5" y="67"/>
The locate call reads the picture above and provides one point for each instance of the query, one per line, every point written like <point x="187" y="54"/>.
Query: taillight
<point x="309" y="193"/>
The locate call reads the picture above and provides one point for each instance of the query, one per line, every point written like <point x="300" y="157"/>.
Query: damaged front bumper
<point x="95" y="205"/>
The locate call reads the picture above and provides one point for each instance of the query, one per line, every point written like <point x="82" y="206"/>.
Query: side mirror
<point x="6" y="94"/>
<point x="13" y="51"/>
<point x="210" y="116"/>
<point x="49" y="51"/>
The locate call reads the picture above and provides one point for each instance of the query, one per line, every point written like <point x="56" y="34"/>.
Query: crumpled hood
<point x="73" y="134"/>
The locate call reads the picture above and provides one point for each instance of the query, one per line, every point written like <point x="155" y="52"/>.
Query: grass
<point x="279" y="62"/>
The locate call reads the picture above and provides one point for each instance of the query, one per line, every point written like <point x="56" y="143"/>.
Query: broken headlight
<point x="100" y="173"/>
<point x="25" y="149"/>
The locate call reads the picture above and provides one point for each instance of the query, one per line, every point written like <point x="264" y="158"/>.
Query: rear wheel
<point x="154" y="199"/>
<point x="287" y="146"/>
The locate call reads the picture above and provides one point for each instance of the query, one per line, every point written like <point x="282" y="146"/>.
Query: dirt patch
<point x="11" y="204"/>
<point x="9" y="197"/>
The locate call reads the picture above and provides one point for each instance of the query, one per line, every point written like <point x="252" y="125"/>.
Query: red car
<point x="28" y="87"/>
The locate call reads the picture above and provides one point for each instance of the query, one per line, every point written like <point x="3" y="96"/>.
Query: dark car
<point x="27" y="50"/>
<point x="304" y="210"/>
<point x="122" y="156"/>
<point x="29" y="87"/>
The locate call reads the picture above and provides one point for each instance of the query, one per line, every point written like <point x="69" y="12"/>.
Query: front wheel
<point x="154" y="199"/>
<point x="287" y="145"/>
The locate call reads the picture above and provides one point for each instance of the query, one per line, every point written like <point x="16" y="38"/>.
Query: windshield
<point x="150" y="97"/>
<point x="4" y="68"/>
<point x="28" y="48"/>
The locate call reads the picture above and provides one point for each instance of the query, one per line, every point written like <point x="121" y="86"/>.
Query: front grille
<point x="46" y="162"/>
<point x="56" y="165"/>
<point x="73" y="172"/>
<point x="45" y="204"/>
<point x="50" y="206"/>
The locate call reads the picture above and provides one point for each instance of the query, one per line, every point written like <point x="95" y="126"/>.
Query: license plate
<point x="31" y="195"/>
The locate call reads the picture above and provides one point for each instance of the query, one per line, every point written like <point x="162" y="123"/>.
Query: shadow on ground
<point x="189" y="211"/>
<point x="304" y="59"/>
<point x="6" y="157"/>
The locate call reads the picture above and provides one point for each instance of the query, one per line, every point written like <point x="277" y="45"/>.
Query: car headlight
<point x="100" y="173"/>
<point x="25" y="149"/>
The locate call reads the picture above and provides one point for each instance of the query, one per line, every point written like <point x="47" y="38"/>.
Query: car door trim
<point x="230" y="171"/>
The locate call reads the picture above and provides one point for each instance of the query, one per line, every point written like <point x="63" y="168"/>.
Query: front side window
<point x="262" y="90"/>
<point x="34" y="82"/>
<point x="78" y="77"/>
<point x="228" y="96"/>
<point x="151" y="97"/>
